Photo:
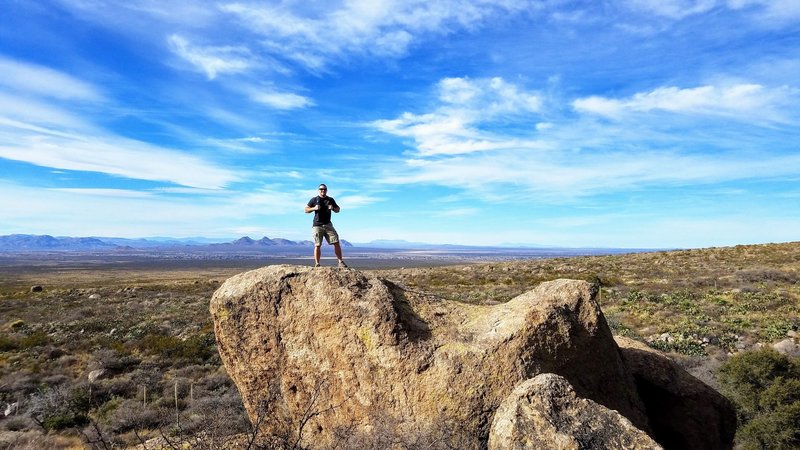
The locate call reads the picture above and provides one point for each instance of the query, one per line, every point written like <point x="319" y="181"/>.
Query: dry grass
<point x="151" y="334"/>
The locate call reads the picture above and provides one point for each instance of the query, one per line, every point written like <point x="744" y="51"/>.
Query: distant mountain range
<point x="265" y="241"/>
<point x="45" y="242"/>
<point x="29" y="242"/>
<point x="246" y="247"/>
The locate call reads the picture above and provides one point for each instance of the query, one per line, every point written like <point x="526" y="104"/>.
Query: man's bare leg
<point x="338" y="250"/>
<point x="317" y="254"/>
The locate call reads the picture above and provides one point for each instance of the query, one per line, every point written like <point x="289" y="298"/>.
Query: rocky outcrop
<point x="684" y="412"/>
<point x="545" y="413"/>
<point x="328" y="356"/>
<point x="788" y="347"/>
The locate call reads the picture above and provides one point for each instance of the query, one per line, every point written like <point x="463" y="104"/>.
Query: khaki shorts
<point x="327" y="231"/>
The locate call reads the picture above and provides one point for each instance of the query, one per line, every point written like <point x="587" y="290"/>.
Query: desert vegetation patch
<point x="104" y="359"/>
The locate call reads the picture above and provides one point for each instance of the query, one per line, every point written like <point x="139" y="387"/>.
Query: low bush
<point x="764" y="274"/>
<point x="765" y="387"/>
<point x="132" y="415"/>
<point x="114" y="361"/>
<point x="8" y="343"/>
<point x="15" y="342"/>
<point x="16" y="423"/>
<point x="197" y="347"/>
<point x="67" y="419"/>
<point x="683" y="345"/>
<point x="32" y="340"/>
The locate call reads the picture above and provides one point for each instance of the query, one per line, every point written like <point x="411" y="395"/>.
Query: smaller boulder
<point x="11" y="408"/>
<point x="684" y="412"/>
<point x="96" y="375"/>
<point x="545" y="412"/>
<point x="788" y="347"/>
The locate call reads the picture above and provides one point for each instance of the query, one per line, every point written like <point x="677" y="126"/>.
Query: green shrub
<point x="8" y="343"/>
<point x="36" y="339"/>
<point x="777" y="329"/>
<point x="782" y="391"/>
<point x="200" y="346"/>
<point x="620" y="329"/>
<point x="777" y="429"/>
<point x="66" y="420"/>
<point x="58" y="408"/>
<point x="683" y="345"/>
<point x="765" y="387"/>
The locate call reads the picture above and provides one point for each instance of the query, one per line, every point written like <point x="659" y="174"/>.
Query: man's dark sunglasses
<point x="323" y="189"/>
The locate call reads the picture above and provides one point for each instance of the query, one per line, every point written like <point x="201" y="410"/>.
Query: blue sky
<point x="632" y="123"/>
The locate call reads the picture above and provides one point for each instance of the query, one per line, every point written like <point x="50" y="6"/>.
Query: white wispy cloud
<point x="115" y="156"/>
<point x="83" y="212"/>
<point x="564" y="176"/>
<point x="673" y="9"/>
<point x="313" y="36"/>
<point x="26" y="78"/>
<point x="134" y="213"/>
<point x="43" y="100"/>
<point x="457" y="212"/>
<point x="488" y="97"/>
<point x="770" y="12"/>
<point x="465" y="107"/>
<point x="241" y="146"/>
<point x="46" y="120"/>
<point x="355" y="201"/>
<point x="96" y="192"/>
<point x="316" y="36"/>
<point x="32" y="115"/>
<point x="745" y="101"/>
<point x="212" y="60"/>
<point x="271" y="201"/>
<point x="574" y="156"/>
<point x="141" y="16"/>
<point x="281" y="100"/>
<point x="186" y="191"/>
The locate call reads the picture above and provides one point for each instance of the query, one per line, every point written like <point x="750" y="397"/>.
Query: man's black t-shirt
<point x="322" y="216"/>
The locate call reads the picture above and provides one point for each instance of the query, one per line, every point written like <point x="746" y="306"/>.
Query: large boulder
<point x="327" y="355"/>
<point x="684" y="412"/>
<point x="545" y="413"/>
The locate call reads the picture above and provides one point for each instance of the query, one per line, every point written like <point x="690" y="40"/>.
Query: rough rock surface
<point x="684" y="412"/>
<point x="545" y="413"/>
<point x="788" y="347"/>
<point x="96" y="375"/>
<point x="340" y="353"/>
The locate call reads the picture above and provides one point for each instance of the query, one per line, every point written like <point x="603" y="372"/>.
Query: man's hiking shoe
<point x="316" y="264"/>
<point x="342" y="265"/>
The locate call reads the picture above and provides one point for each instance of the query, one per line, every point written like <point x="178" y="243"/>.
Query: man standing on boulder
<point x="321" y="206"/>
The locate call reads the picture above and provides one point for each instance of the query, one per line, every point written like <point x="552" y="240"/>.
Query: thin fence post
<point x="177" y="417"/>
